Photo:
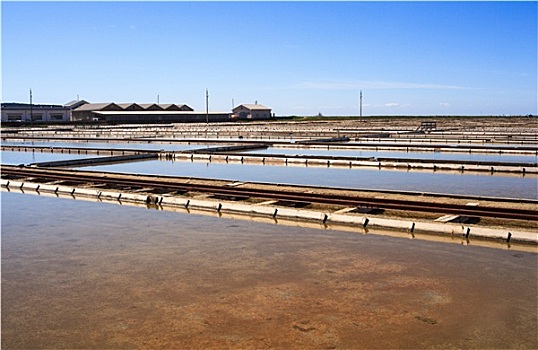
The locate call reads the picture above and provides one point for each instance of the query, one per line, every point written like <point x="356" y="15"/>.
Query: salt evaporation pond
<point x="172" y="146"/>
<point x="109" y="145"/>
<point x="78" y="274"/>
<point x="465" y="184"/>
<point x="16" y="158"/>
<point x="414" y="155"/>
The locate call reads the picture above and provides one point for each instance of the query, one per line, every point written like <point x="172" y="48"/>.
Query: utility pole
<point x="361" y="105"/>
<point x="206" y="113"/>
<point x="206" y="107"/>
<point x="31" y="107"/>
<point x="157" y="99"/>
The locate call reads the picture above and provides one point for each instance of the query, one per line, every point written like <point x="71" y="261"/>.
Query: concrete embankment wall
<point x="350" y="163"/>
<point x="276" y="212"/>
<point x="96" y="161"/>
<point x="74" y="150"/>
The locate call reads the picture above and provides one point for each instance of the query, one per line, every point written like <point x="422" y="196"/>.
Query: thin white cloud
<point x="373" y="85"/>
<point x="444" y="104"/>
<point x="391" y="104"/>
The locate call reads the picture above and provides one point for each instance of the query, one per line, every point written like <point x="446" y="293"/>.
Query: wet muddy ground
<point x="78" y="274"/>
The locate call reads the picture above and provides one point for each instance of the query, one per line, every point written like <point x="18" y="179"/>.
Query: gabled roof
<point x="110" y="106"/>
<point x="253" y="107"/>
<point x="131" y="106"/>
<point x="169" y="107"/>
<point x="185" y="107"/>
<point x="151" y="106"/>
<point x="174" y="107"/>
<point x="98" y="107"/>
<point x="75" y="103"/>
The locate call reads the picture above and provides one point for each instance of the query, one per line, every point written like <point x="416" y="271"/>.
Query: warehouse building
<point x="251" y="111"/>
<point x="161" y="116"/>
<point x="86" y="112"/>
<point x="81" y="110"/>
<point x="131" y="112"/>
<point x="75" y="104"/>
<point x="25" y="112"/>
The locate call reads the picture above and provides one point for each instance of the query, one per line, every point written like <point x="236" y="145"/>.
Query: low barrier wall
<point x="268" y="210"/>
<point x="351" y="163"/>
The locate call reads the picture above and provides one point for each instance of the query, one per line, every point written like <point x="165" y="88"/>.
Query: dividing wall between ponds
<point x="411" y="227"/>
<point x="407" y="165"/>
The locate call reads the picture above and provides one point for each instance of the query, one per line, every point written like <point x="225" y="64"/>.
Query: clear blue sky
<point x="299" y="58"/>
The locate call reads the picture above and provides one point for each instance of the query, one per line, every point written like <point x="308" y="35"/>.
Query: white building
<point x="24" y="112"/>
<point x="249" y="111"/>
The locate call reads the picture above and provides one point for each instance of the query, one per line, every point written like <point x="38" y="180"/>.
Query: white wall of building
<point x="39" y="115"/>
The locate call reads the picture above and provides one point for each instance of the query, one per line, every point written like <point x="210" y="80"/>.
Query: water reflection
<point x="362" y="230"/>
<point x="479" y="184"/>
<point x="109" y="145"/>
<point x="77" y="274"/>
<point x="466" y="183"/>
<point x="16" y="158"/>
<point x="174" y="146"/>
<point x="412" y="155"/>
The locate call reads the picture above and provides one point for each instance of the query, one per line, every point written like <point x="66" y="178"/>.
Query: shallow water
<point x="79" y="274"/>
<point x="16" y="158"/>
<point x="412" y="155"/>
<point x="168" y="146"/>
<point x="483" y="184"/>
<point x="452" y="183"/>
<point x="107" y="145"/>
